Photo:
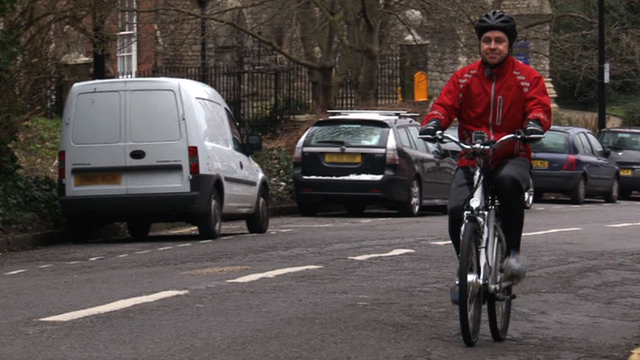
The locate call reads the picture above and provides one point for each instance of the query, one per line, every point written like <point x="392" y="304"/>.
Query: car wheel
<point x="537" y="196"/>
<point x="355" y="209"/>
<point x="624" y="194"/>
<point x="528" y="196"/>
<point x="138" y="229"/>
<point x="578" y="193"/>
<point x="210" y="223"/>
<point x="258" y="222"/>
<point x="307" y="208"/>
<point x="612" y="195"/>
<point x="412" y="206"/>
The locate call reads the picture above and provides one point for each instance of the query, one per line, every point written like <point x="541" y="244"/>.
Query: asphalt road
<point x="329" y="287"/>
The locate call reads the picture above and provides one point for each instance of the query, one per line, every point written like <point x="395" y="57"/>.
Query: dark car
<point x="572" y="161"/>
<point x="361" y="158"/>
<point x="624" y="143"/>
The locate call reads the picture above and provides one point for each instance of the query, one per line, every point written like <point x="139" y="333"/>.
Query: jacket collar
<point x="505" y="67"/>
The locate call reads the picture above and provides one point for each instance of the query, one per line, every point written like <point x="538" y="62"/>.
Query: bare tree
<point x="331" y="38"/>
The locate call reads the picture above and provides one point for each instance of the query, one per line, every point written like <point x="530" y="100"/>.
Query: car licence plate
<point x="626" y="172"/>
<point x="342" y="158"/>
<point x="540" y="164"/>
<point x="89" y="179"/>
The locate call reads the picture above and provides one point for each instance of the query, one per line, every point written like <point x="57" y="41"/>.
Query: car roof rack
<point x="402" y="113"/>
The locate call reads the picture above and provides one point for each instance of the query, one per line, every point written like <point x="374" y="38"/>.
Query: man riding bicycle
<point x="497" y="95"/>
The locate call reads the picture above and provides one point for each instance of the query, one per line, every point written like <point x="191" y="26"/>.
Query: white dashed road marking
<point x="441" y="242"/>
<point x="392" y="253"/>
<point x="15" y="272"/>
<point x="550" y="231"/>
<point x="624" y="225"/>
<point x="117" y="305"/>
<point x="274" y="273"/>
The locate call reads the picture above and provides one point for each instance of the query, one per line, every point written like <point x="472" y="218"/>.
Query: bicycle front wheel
<point x="470" y="284"/>
<point x="499" y="303"/>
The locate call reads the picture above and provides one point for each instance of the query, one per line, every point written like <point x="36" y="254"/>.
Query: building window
<point x="127" y="31"/>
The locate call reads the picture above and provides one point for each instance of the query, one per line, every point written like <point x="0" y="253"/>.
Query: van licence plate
<point x="97" y="179"/>
<point x="626" y="172"/>
<point x="342" y="158"/>
<point x="540" y="164"/>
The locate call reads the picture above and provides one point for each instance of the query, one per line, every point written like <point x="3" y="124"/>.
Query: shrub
<point x="632" y="114"/>
<point x="277" y="164"/>
<point x="28" y="203"/>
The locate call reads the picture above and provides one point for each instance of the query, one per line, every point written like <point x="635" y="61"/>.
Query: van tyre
<point x="258" y="222"/>
<point x="138" y="229"/>
<point x="210" y="223"/>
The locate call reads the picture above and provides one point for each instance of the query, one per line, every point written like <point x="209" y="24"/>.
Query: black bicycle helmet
<point x="497" y="20"/>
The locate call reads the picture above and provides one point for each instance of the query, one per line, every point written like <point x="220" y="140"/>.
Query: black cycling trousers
<point x="511" y="179"/>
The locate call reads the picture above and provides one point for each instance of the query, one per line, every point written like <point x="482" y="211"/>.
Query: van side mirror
<point x="254" y="143"/>
<point x="607" y="152"/>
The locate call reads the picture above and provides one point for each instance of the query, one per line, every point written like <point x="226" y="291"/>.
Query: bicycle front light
<point x="475" y="203"/>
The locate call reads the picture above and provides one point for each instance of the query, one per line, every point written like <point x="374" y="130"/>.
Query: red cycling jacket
<point x="498" y="102"/>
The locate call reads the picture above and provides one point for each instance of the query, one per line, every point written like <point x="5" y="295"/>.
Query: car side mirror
<point x="607" y="152"/>
<point x="254" y="143"/>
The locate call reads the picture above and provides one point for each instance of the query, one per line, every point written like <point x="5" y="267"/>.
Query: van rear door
<point x="156" y="152"/>
<point x="93" y="139"/>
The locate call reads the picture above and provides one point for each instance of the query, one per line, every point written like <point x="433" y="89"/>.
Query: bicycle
<point x="483" y="246"/>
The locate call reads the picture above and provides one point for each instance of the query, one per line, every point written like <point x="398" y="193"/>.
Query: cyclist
<point x="497" y="95"/>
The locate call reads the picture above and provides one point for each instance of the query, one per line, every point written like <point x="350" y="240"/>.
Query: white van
<point x="156" y="150"/>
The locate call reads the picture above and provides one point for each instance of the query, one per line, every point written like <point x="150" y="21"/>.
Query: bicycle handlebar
<point x="441" y="136"/>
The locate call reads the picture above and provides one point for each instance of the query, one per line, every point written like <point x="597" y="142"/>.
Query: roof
<point x="633" y="129"/>
<point x="391" y="117"/>
<point x="568" y="129"/>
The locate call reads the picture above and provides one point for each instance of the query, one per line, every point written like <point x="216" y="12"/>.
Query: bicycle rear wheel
<point x="470" y="285"/>
<point x="499" y="304"/>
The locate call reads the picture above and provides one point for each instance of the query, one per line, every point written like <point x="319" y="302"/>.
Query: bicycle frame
<point x="482" y="207"/>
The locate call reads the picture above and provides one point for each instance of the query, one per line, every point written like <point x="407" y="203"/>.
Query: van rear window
<point x="96" y="118"/>
<point x="154" y="116"/>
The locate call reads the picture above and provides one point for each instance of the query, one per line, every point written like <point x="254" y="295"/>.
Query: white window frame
<point x="127" y="38"/>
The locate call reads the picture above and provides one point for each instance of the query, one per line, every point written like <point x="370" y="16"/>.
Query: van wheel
<point x="210" y="223"/>
<point x="138" y="229"/>
<point x="79" y="232"/>
<point x="258" y="222"/>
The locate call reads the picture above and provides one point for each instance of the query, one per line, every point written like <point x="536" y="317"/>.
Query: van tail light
<point x="194" y="162"/>
<point x="570" y="165"/>
<point x="62" y="158"/>
<point x="392" y="150"/>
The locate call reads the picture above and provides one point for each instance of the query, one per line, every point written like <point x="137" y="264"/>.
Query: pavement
<point x="48" y="238"/>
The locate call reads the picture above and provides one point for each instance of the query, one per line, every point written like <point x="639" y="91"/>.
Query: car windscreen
<point x="348" y="133"/>
<point x="554" y="142"/>
<point x="621" y="140"/>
